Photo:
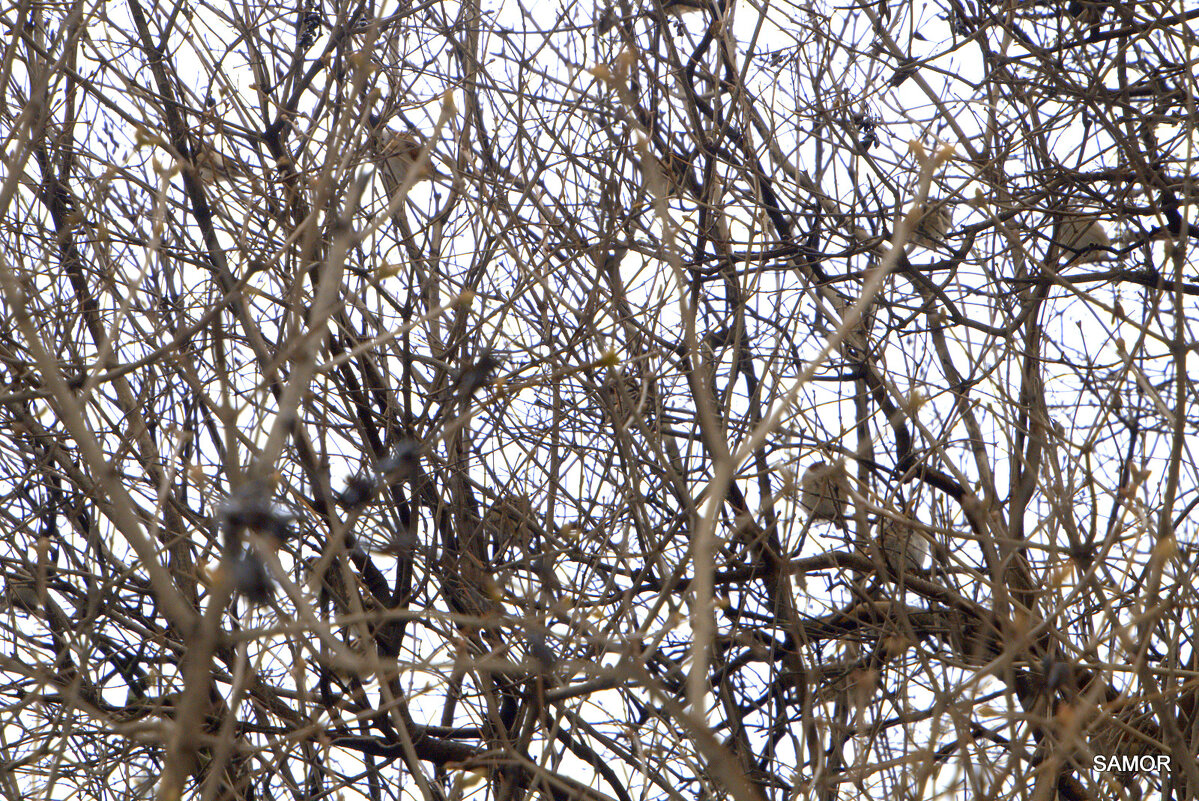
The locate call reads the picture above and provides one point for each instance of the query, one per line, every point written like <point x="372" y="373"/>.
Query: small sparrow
<point x="396" y="152"/>
<point x="21" y="592"/>
<point x="606" y="20"/>
<point x="932" y="225"/>
<point x="212" y="166"/>
<point x="825" y="490"/>
<point x="469" y="587"/>
<point x="474" y="377"/>
<point x="1085" y="238"/>
<point x="511" y="520"/>
<point x="676" y="172"/>
<point x="904" y="548"/>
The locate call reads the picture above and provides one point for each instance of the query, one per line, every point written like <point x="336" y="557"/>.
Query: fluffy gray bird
<point x="903" y="546"/>
<point x="933" y="224"/>
<point x="511" y="520"/>
<point x="824" y="490"/>
<point x="1085" y="236"/>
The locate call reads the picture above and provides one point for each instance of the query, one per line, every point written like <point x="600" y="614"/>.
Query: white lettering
<point x="1127" y="762"/>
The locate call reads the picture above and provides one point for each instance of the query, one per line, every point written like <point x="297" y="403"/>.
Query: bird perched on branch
<point x="1084" y="236"/>
<point x="397" y="153"/>
<point x="825" y="491"/>
<point x="904" y="70"/>
<point x="212" y="166"/>
<point x="675" y="170"/>
<point x="606" y="20"/>
<point x="932" y="223"/>
<point x="510" y="520"/>
<point x="21" y="592"/>
<point x="903" y="547"/>
<point x="469" y="586"/>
